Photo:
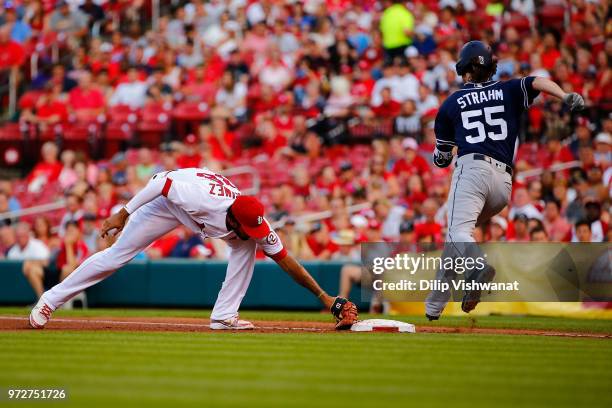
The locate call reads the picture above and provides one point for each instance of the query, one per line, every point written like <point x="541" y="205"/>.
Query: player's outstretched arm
<point x="572" y="100"/>
<point x="301" y="276"/>
<point x="342" y="309"/>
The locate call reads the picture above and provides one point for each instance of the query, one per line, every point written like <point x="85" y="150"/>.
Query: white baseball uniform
<point x="197" y="198"/>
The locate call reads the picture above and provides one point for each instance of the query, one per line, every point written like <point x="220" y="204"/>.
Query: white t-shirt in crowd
<point x="35" y="250"/>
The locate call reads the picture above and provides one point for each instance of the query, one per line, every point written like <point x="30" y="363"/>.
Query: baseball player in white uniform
<point x="212" y="206"/>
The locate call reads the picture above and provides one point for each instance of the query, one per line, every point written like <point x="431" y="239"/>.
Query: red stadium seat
<point x="154" y="123"/>
<point x="552" y="16"/>
<point x="117" y="136"/>
<point x="123" y="114"/>
<point x="189" y="114"/>
<point x="519" y="22"/>
<point x="79" y="136"/>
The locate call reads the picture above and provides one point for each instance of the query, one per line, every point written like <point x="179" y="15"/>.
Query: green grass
<point x="153" y="369"/>
<point x="264" y="370"/>
<point x="505" y="322"/>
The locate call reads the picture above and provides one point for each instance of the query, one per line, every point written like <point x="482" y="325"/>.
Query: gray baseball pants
<point x="480" y="189"/>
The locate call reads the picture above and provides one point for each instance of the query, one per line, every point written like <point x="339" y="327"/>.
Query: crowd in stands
<point x="331" y="102"/>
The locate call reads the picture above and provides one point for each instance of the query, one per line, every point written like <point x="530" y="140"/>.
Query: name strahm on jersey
<point x="472" y="98"/>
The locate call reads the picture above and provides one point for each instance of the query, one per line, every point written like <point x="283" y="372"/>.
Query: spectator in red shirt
<point x="272" y="140"/>
<point x="550" y="53"/>
<point x="197" y="88"/>
<point x="557" y="228"/>
<point x="163" y="246"/>
<point x="521" y="229"/>
<point x="320" y="242"/>
<point x="47" y="171"/>
<point x="221" y="140"/>
<point x="190" y="157"/>
<point x="363" y="84"/>
<point x="388" y="108"/>
<point x="412" y="162"/>
<point x="85" y="100"/>
<point x="12" y="54"/>
<point x="415" y="191"/>
<point x="72" y="252"/>
<point x="429" y="226"/>
<point x="48" y="110"/>
<point x="555" y="152"/>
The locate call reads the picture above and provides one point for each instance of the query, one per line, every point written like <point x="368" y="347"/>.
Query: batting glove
<point x="442" y="159"/>
<point x="574" y="101"/>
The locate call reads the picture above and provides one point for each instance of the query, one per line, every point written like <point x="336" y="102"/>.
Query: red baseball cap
<point x="249" y="212"/>
<point x="191" y="139"/>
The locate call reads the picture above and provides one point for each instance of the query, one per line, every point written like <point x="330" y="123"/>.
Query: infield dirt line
<point x="201" y="325"/>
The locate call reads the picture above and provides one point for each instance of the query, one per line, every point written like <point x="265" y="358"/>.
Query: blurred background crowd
<point x="322" y="108"/>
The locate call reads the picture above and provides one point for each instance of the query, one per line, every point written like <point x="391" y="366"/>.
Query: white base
<point x="383" y="325"/>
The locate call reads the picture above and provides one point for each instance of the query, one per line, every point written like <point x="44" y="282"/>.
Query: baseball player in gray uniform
<point x="480" y="120"/>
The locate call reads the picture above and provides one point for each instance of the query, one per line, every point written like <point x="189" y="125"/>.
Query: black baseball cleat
<point x="431" y="318"/>
<point x="471" y="298"/>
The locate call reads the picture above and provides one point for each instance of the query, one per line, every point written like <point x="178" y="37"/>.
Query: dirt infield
<point x="143" y="324"/>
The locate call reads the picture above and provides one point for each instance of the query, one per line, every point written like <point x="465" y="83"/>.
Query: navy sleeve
<point x="530" y="92"/>
<point x="523" y="90"/>
<point x="444" y="130"/>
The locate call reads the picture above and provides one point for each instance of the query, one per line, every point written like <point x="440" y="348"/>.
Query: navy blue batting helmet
<point x="474" y="53"/>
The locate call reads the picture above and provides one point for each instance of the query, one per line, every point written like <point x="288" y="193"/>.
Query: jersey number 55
<point x="498" y="126"/>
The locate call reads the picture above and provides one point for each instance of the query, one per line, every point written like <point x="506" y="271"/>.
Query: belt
<point x="478" y="156"/>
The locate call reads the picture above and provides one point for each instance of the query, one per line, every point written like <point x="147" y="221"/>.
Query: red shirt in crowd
<point x="317" y="248"/>
<point x="52" y="108"/>
<point x="49" y="171"/>
<point x="363" y="89"/>
<point x="417" y="166"/>
<point x="80" y="252"/>
<point x="215" y="147"/>
<point x="549" y="58"/>
<point x="387" y="110"/>
<point x="185" y="161"/>
<point x="547" y="158"/>
<point x="90" y="99"/>
<point x="11" y="54"/>
<point x="428" y="228"/>
<point x="271" y="146"/>
<point x="166" y="244"/>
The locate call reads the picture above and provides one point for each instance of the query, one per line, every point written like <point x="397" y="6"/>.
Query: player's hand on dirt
<point x="345" y="312"/>
<point x="114" y="222"/>
<point x="574" y="101"/>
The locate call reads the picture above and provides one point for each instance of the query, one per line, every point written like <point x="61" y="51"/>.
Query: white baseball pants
<point x="145" y="225"/>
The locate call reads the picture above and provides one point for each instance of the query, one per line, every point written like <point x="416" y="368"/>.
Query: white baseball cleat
<point x="233" y="323"/>
<point x="40" y="314"/>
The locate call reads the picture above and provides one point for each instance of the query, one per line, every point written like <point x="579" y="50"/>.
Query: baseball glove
<point x="345" y="313"/>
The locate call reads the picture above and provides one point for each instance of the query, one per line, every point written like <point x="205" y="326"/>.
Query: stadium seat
<point x="79" y="137"/>
<point x="154" y="124"/>
<point x="123" y="114"/>
<point x="117" y="136"/>
<point x="188" y="116"/>
<point x="552" y="16"/>
<point x="519" y="22"/>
